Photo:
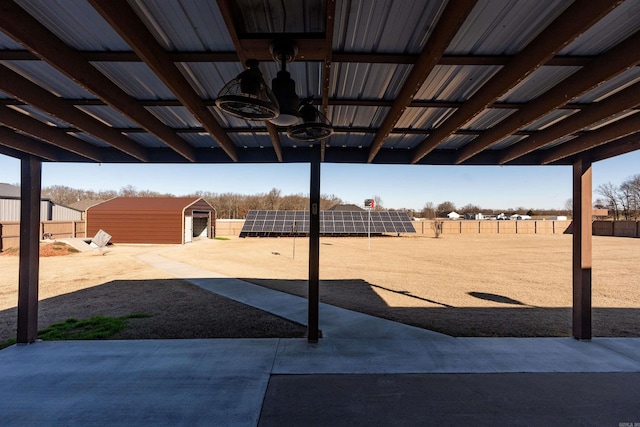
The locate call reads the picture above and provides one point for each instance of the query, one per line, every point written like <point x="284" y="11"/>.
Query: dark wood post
<point x="582" y="210"/>
<point x="314" y="246"/>
<point x="30" y="187"/>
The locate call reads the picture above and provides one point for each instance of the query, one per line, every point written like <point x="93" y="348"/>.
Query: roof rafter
<point x="23" y="28"/>
<point x="576" y="19"/>
<point x="452" y="18"/>
<point x="53" y="135"/>
<point x="352" y="57"/>
<point x="332" y="101"/>
<point x="330" y="14"/>
<point x="594" y="113"/>
<point x="227" y="16"/>
<point x="616" y="148"/>
<point x="10" y="138"/>
<point x="29" y="92"/>
<point x="603" y="68"/>
<point x="627" y="126"/>
<point x="130" y="27"/>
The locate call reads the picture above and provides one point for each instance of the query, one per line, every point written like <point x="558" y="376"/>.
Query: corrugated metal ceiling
<point x="356" y="60"/>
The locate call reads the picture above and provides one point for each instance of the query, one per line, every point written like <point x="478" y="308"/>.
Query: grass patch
<point x="59" y="246"/>
<point x="95" y="328"/>
<point x="221" y="238"/>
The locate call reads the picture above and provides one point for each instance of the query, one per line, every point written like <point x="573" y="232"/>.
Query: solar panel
<point x="264" y="223"/>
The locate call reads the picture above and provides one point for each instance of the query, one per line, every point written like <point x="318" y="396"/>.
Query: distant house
<point x="453" y="215"/>
<point x="474" y="216"/>
<point x="518" y="217"/>
<point x="49" y="211"/>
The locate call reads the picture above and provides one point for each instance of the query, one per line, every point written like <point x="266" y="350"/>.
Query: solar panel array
<point x="289" y="223"/>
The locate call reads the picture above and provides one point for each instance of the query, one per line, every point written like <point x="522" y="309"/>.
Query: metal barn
<point x="173" y="220"/>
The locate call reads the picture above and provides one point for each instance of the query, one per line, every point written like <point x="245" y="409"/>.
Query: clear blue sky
<point x="398" y="186"/>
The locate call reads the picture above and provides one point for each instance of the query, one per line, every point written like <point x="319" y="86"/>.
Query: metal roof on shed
<point x="157" y="204"/>
<point x="426" y="82"/>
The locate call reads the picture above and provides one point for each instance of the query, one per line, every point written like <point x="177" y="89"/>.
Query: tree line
<point x="236" y="206"/>
<point x="623" y="201"/>
<point x="227" y="205"/>
<point x="430" y="210"/>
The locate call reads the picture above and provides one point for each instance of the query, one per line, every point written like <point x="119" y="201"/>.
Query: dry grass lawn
<point x="462" y="285"/>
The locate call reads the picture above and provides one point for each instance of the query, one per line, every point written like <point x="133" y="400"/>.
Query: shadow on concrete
<point x="516" y="320"/>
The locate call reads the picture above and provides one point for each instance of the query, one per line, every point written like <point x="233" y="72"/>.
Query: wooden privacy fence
<point x="493" y="227"/>
<point x="10" y="231"/>
<point x="232" y="227"/>
<point x="616" y="228"/>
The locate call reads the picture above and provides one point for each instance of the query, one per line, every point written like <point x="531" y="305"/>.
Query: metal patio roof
<point x="425" y="81"/>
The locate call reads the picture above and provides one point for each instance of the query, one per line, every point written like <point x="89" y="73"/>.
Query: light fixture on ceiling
<point x="284" y="88"/>
<point x="248" y="96"/>
<point x="312" y="124"/>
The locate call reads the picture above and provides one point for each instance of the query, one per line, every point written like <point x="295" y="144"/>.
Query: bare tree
<point x="428" y="211"/>
<point x="470" y="209"/>
<point x="611" y="198"/>
<point x="436" y="226"/>
<point x="444" y="208"/>
<point x="568" y="206"/>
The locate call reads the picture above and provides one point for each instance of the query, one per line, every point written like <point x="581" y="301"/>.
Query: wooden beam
<point x="338" y="56"/>
<point x="130" y="27"/>
<point x="329" y="26"/>
<point x="10" y="138"/>
<point x="16" y="85"/>
<point x="227" y="17"/>
<point x="244" y="55"/>
<point x="576" y="19"/>
<point x="445" y="30"/>
<point x="53" y="135"/>
<point x="603" y="68"/>
<point x="275" y="139"/>
<point x="419" y="103"/>
<point x="615" y="148"/>
<point x="30" y="192"/>
<point x="313" y="330"/>
<point x="25" y="29"/>
<point x="627" y="126"/>
<point x="582" y="248"/>
<point x="621" y="101"/>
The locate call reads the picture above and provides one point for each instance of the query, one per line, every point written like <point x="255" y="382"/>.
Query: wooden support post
<point x="314" y="247"/>
<point x="30" y="187"/>
<point x="582" y="232"/>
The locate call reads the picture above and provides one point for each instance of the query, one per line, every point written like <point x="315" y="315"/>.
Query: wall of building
<point x="137" y="227"/>
<point x="49" y="211"/>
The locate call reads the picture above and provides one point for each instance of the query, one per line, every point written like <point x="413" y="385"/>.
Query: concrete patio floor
<point x="365" y="371"/>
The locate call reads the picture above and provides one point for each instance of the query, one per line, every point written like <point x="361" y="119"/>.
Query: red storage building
<point x="173" y="220"/>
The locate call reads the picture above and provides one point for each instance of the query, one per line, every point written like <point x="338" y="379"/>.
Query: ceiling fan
<point x="248" y="97"/>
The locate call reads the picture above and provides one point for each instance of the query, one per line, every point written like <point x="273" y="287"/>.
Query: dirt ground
<point x="462" y="285"/>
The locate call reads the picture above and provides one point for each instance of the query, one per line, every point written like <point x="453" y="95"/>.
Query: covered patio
<point x="431" y="83"/>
